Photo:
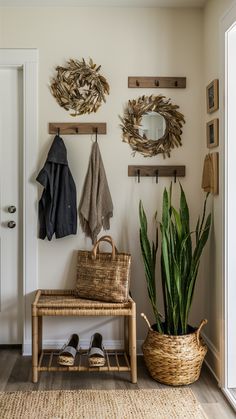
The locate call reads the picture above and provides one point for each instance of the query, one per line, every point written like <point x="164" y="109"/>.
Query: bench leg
<point x="132" y="339"/>
<point x="35" y="349"/>
<point x="40" y="334"/>
<point x="126" y="335"/>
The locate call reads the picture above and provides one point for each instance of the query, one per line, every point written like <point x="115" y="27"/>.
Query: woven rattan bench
<point x="64" y="303"/>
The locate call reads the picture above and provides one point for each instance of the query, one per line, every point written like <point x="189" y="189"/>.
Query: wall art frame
<point x="212" y="133"/>
<point x="212" y="96"/>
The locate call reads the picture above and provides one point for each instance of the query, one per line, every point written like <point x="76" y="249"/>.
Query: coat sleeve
<point x="46" y="220"/>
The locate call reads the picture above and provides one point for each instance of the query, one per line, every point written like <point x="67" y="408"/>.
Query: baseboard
<point x="57" y="344"/>
<point x="11" y="346"/>
<point x="212" y="359"/>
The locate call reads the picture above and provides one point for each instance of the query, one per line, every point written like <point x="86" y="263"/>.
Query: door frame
<point x="228" y="345"/>
<point x="27" y="59"/>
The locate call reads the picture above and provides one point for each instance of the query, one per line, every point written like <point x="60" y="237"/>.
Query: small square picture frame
<point x="212" y="133"/>
<point x="212" y="96"/>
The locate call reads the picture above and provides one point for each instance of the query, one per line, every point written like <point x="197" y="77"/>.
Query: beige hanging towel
<point x="96" y="208"/>
<point x="210" y="174"/>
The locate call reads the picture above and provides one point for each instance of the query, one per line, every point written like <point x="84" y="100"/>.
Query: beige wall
<point x="125" y="41"/>
<point x="213" y="12"/>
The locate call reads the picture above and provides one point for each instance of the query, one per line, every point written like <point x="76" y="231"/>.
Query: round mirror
<point x="153" y="126"/>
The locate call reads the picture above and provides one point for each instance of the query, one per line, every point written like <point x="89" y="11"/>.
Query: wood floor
<point x="15" y="374"/>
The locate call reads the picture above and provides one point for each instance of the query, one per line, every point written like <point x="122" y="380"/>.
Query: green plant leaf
<point x="203" y="239"/>
<point x="177" y="222"/>
<point x="197" y="230"/>
<point x="184" y="211"/>
<point x="204" y="211"/>
<point x="166" y="264"/>
<point x="149" y="259"/>
<point x="165" y="209"/>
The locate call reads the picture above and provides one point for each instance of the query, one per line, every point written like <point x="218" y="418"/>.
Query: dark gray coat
<point x="57" y="206"/>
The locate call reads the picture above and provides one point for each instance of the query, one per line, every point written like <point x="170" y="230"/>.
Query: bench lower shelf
<point x="116" y="360"/>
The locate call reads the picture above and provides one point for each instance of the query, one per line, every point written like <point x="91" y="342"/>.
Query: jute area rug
<point x="101" y="404"/>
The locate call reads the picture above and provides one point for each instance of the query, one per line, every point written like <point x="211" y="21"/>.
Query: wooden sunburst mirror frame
<point x="132" y="122"/>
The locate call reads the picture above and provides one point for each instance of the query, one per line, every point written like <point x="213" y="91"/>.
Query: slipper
<point x="68" y="351"/>
<point x="96" y="353"/>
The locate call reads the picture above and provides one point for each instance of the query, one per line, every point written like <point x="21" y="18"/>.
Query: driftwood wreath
<point x="79" y="87"/>
<point x="132" y="122"/>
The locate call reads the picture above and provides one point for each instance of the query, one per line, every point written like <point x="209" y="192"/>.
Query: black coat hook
<point x="176" y="83"/>
<point x="58" y="131"/>
<point x="157" y="83"/>
<point x="137" y="83"/>
<point x="77" y="130"/>
<point x="138" y="173"/>
<point x="175" y="175"/>
<point x="157" y="173"/>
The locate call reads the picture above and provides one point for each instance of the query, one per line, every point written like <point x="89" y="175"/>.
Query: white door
<point x="11" y="134"/>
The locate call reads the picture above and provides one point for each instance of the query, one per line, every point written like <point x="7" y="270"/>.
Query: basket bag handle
<point x="203" y="322"/>
<point x="107" y="239"/>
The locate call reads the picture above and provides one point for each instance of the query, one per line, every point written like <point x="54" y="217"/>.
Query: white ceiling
<point x="100" y="3"/>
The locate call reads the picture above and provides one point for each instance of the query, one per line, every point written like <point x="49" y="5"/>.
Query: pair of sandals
<point x="96" y="352"/>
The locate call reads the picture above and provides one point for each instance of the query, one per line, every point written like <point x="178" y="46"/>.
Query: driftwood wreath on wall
<point x="132" y="122"/>
<point x="79" y="87"/>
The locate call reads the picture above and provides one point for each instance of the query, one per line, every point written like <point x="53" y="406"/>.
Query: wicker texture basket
<point x="174" y="360"/>
<point x="103" y="276"/>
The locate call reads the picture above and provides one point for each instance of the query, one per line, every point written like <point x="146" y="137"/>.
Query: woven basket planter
<point x="174" y="360"/>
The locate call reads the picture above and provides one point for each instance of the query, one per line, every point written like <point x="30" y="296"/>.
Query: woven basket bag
<point x="174" y="360"/>
<point x="103" y="276"/>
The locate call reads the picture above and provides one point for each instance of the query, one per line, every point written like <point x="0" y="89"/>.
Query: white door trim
<point x="28" y="60"/>
<point x="228" y="282"/>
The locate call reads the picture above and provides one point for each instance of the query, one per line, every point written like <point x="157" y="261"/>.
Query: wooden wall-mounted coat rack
<point x="77" y="128"/>
<point x="157" y="82"/>
<point x="156" y="171"/>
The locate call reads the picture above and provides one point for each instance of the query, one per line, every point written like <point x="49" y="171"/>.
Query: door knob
<point x="12" y="209"/>
<point x="11" y="224"/>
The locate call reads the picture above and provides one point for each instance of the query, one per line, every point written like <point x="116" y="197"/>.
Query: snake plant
<point x="180" y="260"/>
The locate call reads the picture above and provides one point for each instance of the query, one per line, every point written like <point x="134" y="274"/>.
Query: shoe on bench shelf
<point x="96" y="353"/>
<point x="68" y="352"/>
